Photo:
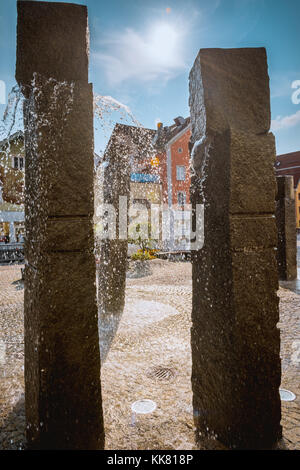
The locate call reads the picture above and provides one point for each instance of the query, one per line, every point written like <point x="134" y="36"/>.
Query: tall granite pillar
<point x="286" y="226"/>
<point x="236" y="367"/>
<point x="62" y="360"/>
<point x="113" y="251"/>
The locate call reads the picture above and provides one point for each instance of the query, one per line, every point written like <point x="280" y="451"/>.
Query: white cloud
<point x="156" y="54"/>
<point x="285" y="121"/>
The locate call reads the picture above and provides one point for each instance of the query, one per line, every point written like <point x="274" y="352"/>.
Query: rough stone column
<point x="113" y="252"/>
<point x="235" y="342"/>
<point x="286" y="226"/>
<point x="62" y="360"/>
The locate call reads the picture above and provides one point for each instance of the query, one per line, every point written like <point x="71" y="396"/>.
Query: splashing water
<point x="105" y="106"/>
<point x="107" y="111"/>
<point x="13" y="114"/>
<point x="11" y="122"/>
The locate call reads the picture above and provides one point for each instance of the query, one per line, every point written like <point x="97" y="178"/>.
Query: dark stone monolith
<point x="235" y="341"/>
<point x="286" y="226"/>
<point x="62" y="360"/>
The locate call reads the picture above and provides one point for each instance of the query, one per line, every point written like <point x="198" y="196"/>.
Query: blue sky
<point x="142" y="51"/>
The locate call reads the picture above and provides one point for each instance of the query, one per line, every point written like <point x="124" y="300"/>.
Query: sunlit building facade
<point x="289" y="164"/>
<point x="12" y="163"/>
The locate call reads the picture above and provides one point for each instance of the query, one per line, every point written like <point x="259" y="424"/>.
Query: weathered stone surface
<point x="252" y="170"/>
<point x="114" y="261"/>
<point x="246" y="231"/>
<point x="62" y="359"/>
<point x="51" y="43"/>
<point x="286" y="225"/>
<point x="236" y="368"/>
<point x="55" y="113"/>
<point x="230" y="88"/>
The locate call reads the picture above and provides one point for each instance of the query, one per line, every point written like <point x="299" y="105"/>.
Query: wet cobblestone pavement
<point x="135" y="351"/>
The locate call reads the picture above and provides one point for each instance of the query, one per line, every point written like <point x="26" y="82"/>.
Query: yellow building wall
<point x="149" y="191"/>
<point x="4" y="229"/>
<point x="152" y="193"/>
<point x="16" y="149"/>
<point x="11" y="179"/>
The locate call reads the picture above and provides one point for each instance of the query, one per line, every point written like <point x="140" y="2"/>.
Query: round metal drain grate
<point x="161" y="373"/>
<point x="286" y="395"/>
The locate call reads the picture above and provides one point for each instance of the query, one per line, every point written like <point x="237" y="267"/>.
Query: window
<point x="180" y="150"/>
<point x="18" y="163"/>
<point x="180" y="173"/>
<point x="181" y="198"/>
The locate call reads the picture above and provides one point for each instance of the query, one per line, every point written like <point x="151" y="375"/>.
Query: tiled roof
<point x="145" y="142"/>
<point x="289" y="164"/>
<point x="165" y="134"/>
<point x="15" y="136"/>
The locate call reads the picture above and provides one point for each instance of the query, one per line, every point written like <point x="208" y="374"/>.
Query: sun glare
<point x="163" y="42"/>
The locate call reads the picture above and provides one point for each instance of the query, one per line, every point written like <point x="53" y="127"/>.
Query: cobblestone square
<point x="143" y="346"/>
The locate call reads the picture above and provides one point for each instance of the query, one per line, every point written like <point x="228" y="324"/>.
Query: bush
<point x="143" y="255"/>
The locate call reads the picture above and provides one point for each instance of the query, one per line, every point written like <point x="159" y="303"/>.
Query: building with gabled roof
<point x="289" y="164"/>
<point x="159" y="163"/>
<point x="12" y="162"/>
